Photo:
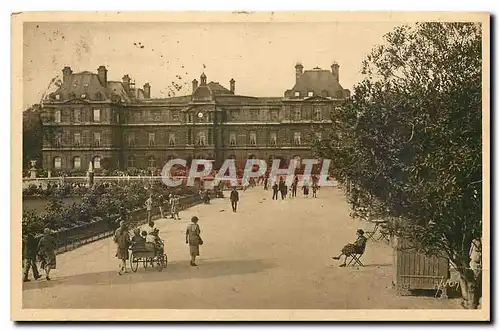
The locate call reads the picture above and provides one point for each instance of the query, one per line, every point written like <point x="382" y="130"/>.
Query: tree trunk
<point x="470" y="285"/>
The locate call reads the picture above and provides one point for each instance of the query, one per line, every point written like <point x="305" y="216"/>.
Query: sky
<point x="261" y="57"/>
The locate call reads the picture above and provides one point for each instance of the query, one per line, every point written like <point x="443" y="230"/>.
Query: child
<point x="137" y="239"/>
<point x="315" y="189"/>
<point x="158" y="242"/>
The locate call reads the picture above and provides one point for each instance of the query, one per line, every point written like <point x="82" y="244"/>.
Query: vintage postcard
<point x="278" y="166"/>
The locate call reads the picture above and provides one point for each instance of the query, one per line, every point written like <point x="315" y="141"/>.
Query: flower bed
<point x="103" y="204"/>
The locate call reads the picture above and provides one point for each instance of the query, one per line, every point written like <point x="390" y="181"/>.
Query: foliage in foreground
<point x="407" y="146"/>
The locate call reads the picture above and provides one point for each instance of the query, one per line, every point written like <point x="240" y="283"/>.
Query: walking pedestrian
<point x="149" y="204"/>
<point x="161" y="201"/>
<point x="122" y="240"/>
<point x="29" y="253"/>
<point x="194" y="240"/>
<point x="174" y="208"/>
<point x="314" y="189"/>
<point x="234" y="199"/>
<point x="47" y="251"/>
<point x="294" y="186"/>
<point x="306" y="189"/>
<point x="283" y="189"/>
<point x="275" y="191"/>
<point x="265" y="183"/>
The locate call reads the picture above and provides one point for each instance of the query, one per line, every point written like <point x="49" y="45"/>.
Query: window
<point x="77" y="162"/>
<point x="310" y="94"/>
<point x="97" y="162"/>
<point x="57" y="140"/>
<point x="151" y="139"/>
<point x="253" y="138"/>
<point x="171" y="139"/>
<point x="232" y="139"/>
<point x="272" y="138"/>
<point x="97" y="115"/>
<point x="157" y="116"/>
<point x="274" y="115"/>
<point x="131" y="139"/>
<point x="77" y="139"/>
<point x="97" y="139"/>
<point x="297" y="94"/>
<point x="175" y="115"/>
<point x="296" y="138"/>
<point x="152" y="162"/>
<point x="57" y="162"/>
<point x="57" y="116"/>
<point x="201" y="138"/>
<point x="318" y="136"/>
<point x="131" y="161"/>
<point x="254" y="115"/>
<point x="117" y="117"/>
<point x="137" y="117"/>
<point x="317" y="113"/>
<point x="77" y="115"/>
<point x="297" y="114"/>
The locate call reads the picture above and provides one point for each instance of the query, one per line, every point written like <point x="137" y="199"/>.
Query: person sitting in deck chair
<point x="358" y="247"/>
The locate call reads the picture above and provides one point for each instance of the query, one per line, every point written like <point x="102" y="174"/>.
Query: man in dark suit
<point x="234" y="199"/>
<point x="275" y="191"/>
<point x="30" y="244"/>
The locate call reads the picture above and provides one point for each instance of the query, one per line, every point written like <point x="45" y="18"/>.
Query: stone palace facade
<point x="117" y="126"/>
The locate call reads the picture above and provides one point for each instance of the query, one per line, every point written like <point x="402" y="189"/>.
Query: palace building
<point x="118" y="126"/>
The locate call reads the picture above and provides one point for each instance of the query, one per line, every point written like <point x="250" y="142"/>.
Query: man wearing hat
<point x="122" y="240"/>
<point x="47" y="250"/>
<point x="358" y="247"/>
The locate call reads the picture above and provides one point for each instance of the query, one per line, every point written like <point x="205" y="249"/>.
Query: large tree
<point x="407" y="145"/>
<point x="35" y="133"/>
<point x="32" y="135"/>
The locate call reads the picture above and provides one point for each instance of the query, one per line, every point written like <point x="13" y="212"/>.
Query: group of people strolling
<point x="171" y="202"/>
<point x="292" y="192"/>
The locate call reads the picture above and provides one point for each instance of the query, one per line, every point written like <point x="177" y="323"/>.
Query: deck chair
<point x="355" y="259"/>
<point x="371" y="234"/>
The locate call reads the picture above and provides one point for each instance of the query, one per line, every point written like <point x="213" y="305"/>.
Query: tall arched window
<point x="152" y="162"/>
<point x="57" y="162"/>
<point x="77" y="162"/>
<point x="131" y="161"/>
<point x="97" y="162"/>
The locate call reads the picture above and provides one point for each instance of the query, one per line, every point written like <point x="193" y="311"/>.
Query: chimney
<point x="203" y="79"/>
<point x="147" y="91"/>
<point x="232" y="85"/>
<point x="335" y="70"/>
<point x="126" y="83"/>
<point x="66" y="73"/>
<point x="195" y="85"/>
<point x="298" y="71"/>
<point x="102" y="72"/>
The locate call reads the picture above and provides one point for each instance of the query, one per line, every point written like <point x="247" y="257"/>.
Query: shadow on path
<point x="178" y="270"/>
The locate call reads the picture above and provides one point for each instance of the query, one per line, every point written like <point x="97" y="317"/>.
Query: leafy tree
<point x="34" y="134"/>
<point x="407" y="145"/>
